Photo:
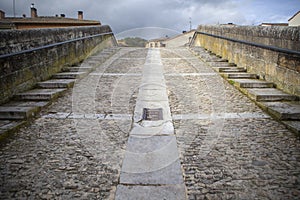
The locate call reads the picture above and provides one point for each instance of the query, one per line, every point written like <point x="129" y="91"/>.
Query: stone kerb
<point x="279" y="67"/>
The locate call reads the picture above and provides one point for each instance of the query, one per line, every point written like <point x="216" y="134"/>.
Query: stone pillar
<point x="80" y="15"/>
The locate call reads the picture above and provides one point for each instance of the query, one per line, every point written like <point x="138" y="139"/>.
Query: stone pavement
<point x="228" y="148"/>
<point x="151" y="163"/>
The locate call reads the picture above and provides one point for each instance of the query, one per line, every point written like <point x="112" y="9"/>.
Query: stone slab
<point x="153" y="95"/>
<point x="39" y="104"/>
<point x="17" y="112"/>
<point x="239" y="75"/>
<point x="153" y="86"/>
<point x="293" y="126"/>
<point x="79" y="69"/>
<point x="230" y="69"/>
<point x="269" y="94"/>
<point x="153" y="79"/>
<point x="170" y="174"/>
<point x="70" y="75"/>
<point x="220" y="64"/>
<point x="57" y="83"/>
<point x="166" y="128"/>
<point x="166" y="192"/>
<point x="284" y="110"/>
<point x="4" y="122"/>
<point x="137" y="161"/>
<point x="9" y="127"/>
<point x="209" y="58"/>
<point x="252" y="83"/>
<point x="151" y="144"/>
<point x="40" y="94"/>
<point x="224" y="68"/>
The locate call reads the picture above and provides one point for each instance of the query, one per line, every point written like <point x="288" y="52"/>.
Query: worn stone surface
<point x="152" y="159"/>
<point x="151" y="192"/>
<point x="69" y="158"/>
<point x="252" y="83"/>
<point x="284" y="110"/>
<point x="56" y="83"/>
<point x="230" y="158"/>
<point x="228" y="148"/>
<point x="270" y="94"/>
<point x="40" y="94"/>
<point x="17" y="112"/>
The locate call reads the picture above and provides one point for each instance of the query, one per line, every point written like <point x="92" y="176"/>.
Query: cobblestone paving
<point x="78" y="155"/>
<point x="77" y="158"/>
<point x="250" y="158"/>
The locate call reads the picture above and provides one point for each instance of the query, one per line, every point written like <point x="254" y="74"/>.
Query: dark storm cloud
<point x="122" y="15"/>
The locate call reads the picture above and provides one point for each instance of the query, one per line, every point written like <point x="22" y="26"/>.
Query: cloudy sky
<point x="123" y="15"/>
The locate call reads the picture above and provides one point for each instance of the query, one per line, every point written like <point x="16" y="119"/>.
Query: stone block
<point x="70" y="75"/>
<point x="79" y="69"/>
<point x="17" y="112"/>
<point x="56" y="83"/>
<point x="270" y="94"/>
<point x="293" y="125"/>
<point x="40" y="94"/>
<point x="284" y="110"/>
<point x="167" y="192"/>
<point x="239" y="75"/>
<point x="252" y="83"/>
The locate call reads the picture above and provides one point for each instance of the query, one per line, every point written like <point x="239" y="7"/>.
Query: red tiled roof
<point x="47" y="20"/>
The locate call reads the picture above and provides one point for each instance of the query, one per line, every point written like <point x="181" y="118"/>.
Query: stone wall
<point x="277" y="66"/>
<point x="179" y="40"/>
<point x="22" y="70"/>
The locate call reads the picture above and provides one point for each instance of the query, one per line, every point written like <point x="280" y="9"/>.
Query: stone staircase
<point x="282" y="106"/>
<point x="28" y="104"/>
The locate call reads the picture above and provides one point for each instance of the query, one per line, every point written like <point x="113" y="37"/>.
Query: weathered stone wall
<point x="22" y="71"/>
<point x="281" y="68"/>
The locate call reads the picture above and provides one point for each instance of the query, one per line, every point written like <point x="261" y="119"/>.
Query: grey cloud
<point x="122" y="15"/>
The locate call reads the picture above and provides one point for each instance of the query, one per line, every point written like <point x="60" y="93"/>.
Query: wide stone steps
<point x="223" y="64"/>
<point x="269" y="94"/>
<point x="29" y="103"/>
<point x="284" y="110"/>
<point x="282" y="106"/>
<point x="239" y="75"/>
<point x="79" y="69"/>
<point x="70" y="75"/>
<point x="9" y="126"/>
<point x="56" y="83"/>
<point x="251" y="83"/>
<point x="229" y="69"/>
<point x="21" y="110"/>
<point x="17" y="112"/>
<point x="40" y="94"/>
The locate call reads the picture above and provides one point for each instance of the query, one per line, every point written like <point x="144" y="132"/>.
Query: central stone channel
<point x="151" y="167"/>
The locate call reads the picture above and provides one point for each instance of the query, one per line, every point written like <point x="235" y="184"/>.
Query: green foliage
<point x="133" y="42"/>
<point x="231" y="82"/>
